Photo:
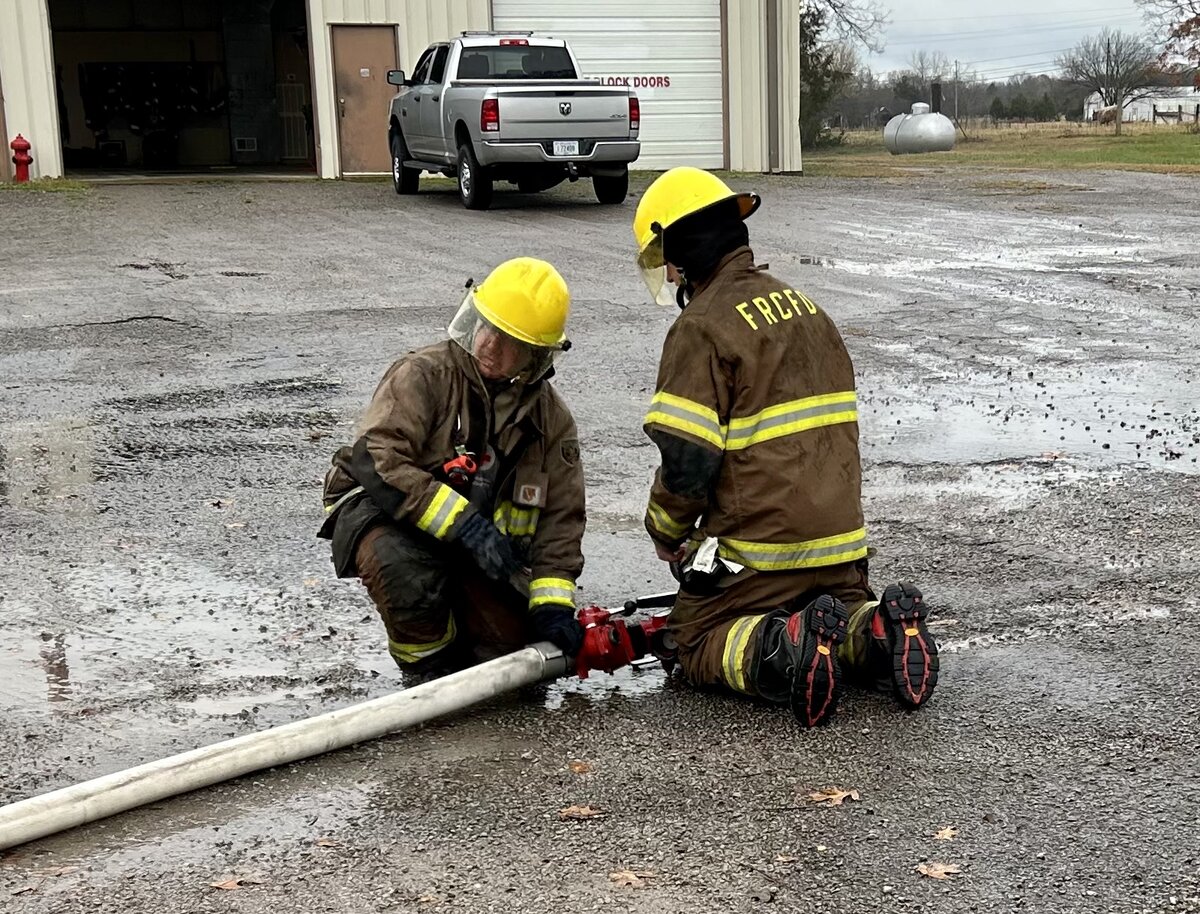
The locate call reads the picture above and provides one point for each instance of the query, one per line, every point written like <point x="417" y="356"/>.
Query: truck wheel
<point x="474" y="181"/>
<point x="405" y="180"/>
<point x="611" y="189"/>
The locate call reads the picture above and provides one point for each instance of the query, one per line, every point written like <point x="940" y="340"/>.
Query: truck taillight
<point x="489" y="115"/>
<point x="635" y="113"/>
<point x="511" y="41"/>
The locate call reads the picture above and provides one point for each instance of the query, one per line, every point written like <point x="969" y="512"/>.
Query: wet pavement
<point x="178" y="362"/>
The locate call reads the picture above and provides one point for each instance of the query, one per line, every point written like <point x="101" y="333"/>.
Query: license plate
<point x="566" y="147"/>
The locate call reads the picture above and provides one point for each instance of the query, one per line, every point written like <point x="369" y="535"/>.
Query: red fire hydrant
<point x="21" y="158"/>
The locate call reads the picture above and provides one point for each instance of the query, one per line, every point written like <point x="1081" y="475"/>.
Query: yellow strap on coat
<point x="778" y="421"/>
<point x="544" y="591"/>
<point x="411" y="653"/>
<point x="444" y="509"/>
<point x="737" y="646"/>
<point x="828" y="550"/>
<point x="663" y="523"/>
<point x="686" y="416"/>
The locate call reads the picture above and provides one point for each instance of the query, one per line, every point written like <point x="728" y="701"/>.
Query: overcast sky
<point x="1004" y="39"/>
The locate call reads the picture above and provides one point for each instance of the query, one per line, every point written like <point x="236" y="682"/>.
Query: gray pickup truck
<point x="491" y="106"/>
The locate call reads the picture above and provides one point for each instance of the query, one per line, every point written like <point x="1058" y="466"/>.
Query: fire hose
<point x="609" y="644"/>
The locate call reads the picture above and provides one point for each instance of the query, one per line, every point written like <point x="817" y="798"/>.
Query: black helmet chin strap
<point x="684" y="291"/>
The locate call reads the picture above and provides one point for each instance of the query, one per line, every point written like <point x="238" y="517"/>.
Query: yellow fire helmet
<point x="526" y="300"/>
<point x="675" y="194"/>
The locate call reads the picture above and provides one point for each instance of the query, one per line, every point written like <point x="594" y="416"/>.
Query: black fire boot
<point x="797" y="659"/>
<point x="904" y="646"/>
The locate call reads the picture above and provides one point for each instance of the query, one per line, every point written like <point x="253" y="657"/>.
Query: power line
<point x="1001" y="77"/>
<point x="1017" y="56"/>
<point x="942" y="37"/>
<point x="1111" y="9"/>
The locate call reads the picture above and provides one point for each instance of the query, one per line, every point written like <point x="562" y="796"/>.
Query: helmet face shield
<point x="499" y="356"/>
<point x="654" y="272"/>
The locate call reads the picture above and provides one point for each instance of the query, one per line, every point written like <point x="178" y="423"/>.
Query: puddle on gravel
<point x="45" y="667"/>
<point x="626" y="682"/>
<point x="1105" y="425"/>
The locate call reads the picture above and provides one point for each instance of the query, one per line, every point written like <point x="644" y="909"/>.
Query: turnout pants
<point x="440" y="611"/>
<point x="719" y="633"/>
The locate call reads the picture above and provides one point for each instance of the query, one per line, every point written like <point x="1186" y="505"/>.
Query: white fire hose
<point x="37" y="817"/>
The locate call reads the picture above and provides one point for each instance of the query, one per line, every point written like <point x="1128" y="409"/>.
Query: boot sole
<point x="817" y="683"/>
<point x="914" y="650"/>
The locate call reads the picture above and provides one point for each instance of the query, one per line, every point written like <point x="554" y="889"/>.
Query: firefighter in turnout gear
<point x="757" y="502"/>
<point x="460" y="505"/>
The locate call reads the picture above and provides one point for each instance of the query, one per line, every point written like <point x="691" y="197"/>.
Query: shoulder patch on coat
<point x="570" y="451"/>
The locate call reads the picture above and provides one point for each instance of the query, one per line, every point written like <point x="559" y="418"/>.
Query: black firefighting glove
<point x="558" y="625"/>
<point x="490" y="548"/>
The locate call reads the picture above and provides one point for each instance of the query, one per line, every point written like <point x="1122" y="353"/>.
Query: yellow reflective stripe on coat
<point x="737" y="644"/>
<point x="661" y="521"/>
<point x="790" y="418"/>
<point x="411" y="653"/>
<point x="688" y="416"/>
<point x="442" y="512"/>
<point x="829" y="550"/>
<point x="513" y="520"/>
<point x="551" y="590"/>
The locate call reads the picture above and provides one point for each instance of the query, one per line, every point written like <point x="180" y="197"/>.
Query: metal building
<point x="1167" y="103"/>
<point x="173" y="85"/>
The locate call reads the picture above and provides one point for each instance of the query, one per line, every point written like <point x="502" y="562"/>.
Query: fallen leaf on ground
<point x="785" y="859"/>
<point x="235" y="883"/>
<point x="634" y="880"/>
<point x="938" y="870"/>
<point x="429" y="898"/>
<point x="25" y="890"/>
<point x="579" y="812"/>
<point x="946" y="834"/>
<point x="237" y="526"/>
<point x="580" y="767"/>
<point x="311" y="582"/>
<point x="833" y="796"/>
<point x="327" y="842"/>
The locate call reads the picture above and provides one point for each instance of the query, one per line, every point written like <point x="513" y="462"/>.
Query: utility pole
<point x="1106" y="95"/>
<point x="956" y="91"/>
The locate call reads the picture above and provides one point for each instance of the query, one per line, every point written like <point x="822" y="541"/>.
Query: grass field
<point x="1042" y="147"/>
<point x="47" y="186"/>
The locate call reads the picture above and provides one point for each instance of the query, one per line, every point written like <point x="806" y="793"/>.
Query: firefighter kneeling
<point x="757" y="503"/>
<point x="466" y="471"/>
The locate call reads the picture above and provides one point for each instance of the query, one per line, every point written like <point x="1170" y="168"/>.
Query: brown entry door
<point x="362" y="56"/>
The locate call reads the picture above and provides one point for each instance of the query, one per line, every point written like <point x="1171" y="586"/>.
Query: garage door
<point x="668" y="51"/>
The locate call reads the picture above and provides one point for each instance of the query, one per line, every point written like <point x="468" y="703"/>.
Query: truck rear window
<point x="515" y="62"/>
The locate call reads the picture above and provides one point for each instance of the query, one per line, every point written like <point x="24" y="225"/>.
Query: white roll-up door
<point x="668" y="51"/>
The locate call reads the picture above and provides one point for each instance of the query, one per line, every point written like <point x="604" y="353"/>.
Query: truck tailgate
<point x="546" y="113"/>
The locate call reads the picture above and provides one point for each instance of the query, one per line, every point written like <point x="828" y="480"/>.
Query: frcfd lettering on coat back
<point x="774" y="310"/>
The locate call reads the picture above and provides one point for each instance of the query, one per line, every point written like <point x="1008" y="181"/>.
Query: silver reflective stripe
<point x="827" y="551"/>
<point x="801" y="418"/>
<point x="551" y="590"/>
<point x="445" y="506"/>
<point x="686" y="415"/>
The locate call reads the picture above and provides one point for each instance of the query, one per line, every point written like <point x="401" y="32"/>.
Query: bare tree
<point x="1121" y="67"/>
<point x="1181" y="21"/>
<point x="858" y="21"/>
<point x="929" y="66"/>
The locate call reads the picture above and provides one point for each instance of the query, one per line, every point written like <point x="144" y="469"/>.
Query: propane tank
<point x="921" y="131"/>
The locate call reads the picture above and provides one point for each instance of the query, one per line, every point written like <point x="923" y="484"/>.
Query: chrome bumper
<point x="604" y="151"/>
